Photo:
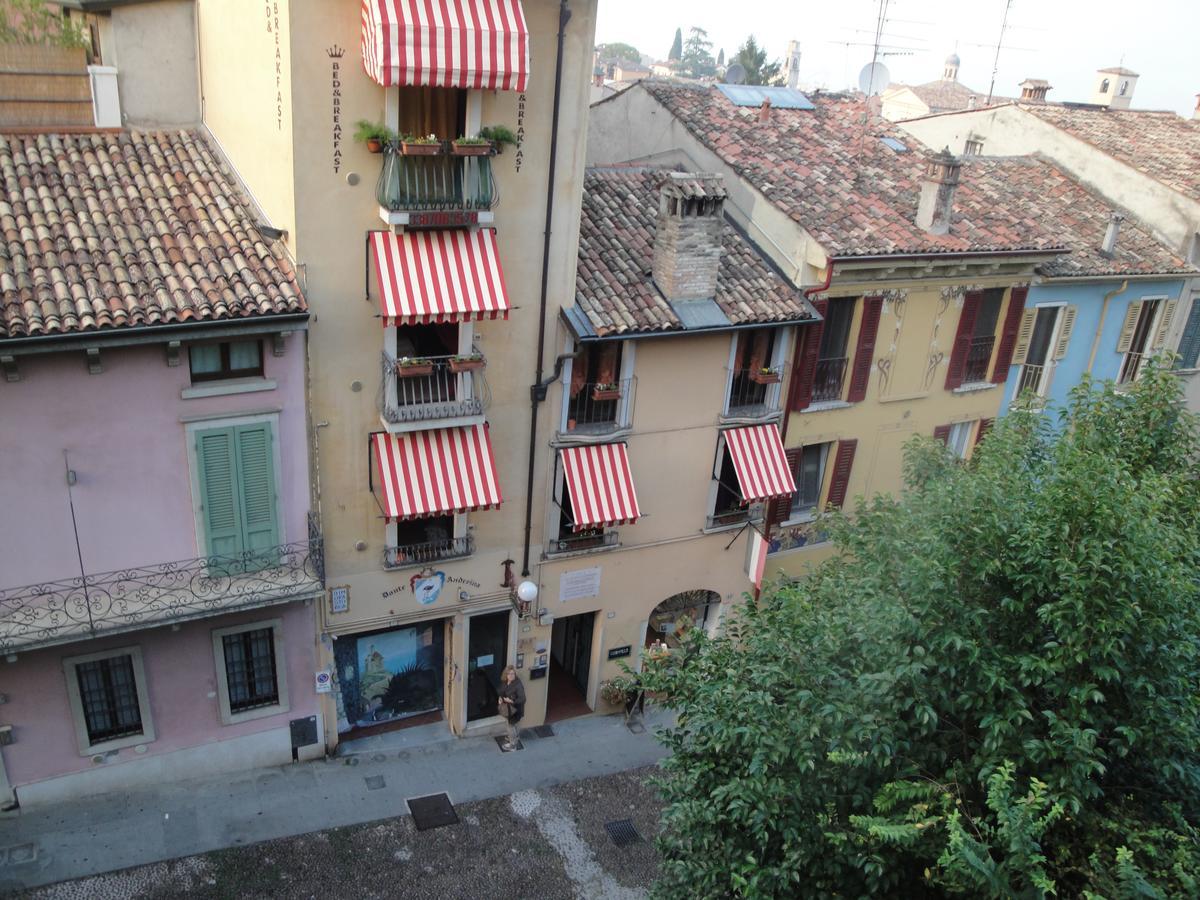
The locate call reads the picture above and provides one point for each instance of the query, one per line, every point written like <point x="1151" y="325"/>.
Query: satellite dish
<point x="873" y="78"/>
<point x="735" y="74"/>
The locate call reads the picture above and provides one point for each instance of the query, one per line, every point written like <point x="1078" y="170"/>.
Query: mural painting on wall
<point x="389" y="675"/>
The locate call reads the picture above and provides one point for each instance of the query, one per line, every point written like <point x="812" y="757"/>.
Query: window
<point x="755" y="373"/>
<point x="983" y="337"/>
<point x="231" y="359"/>
<point x="430" y="110"/>
<point x="973" y="148"/>
<point x="108" y="700"/>
<point x="959" y="439"/>
<point x="1124" y="88"/>
<point x="250" y="673"/>
<point x="599" y="388"/>
<point x="235" y="472"/>
<point x="809" y="472"/>
<point x="568" y="539"/>
<point x="1104" y="85"/>
<point x="728" y="507"/>
<point x="1135" y="340"/>
<point x="413" y="542"/>
<point x="830" y="373"/>
<point x="1035" y="368"/>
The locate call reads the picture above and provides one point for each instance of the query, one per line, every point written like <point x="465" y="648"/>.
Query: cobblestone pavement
<point x="540" y="843"/>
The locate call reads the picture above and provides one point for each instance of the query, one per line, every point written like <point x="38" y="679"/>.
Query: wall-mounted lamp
<point x="523" y="597"/>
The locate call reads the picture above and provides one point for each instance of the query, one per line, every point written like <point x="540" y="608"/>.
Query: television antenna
<point x="999" y="44"/>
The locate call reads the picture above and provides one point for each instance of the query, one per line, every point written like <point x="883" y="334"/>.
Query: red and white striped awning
<point x="480" y="44"/>
<point x="760" y="462"/>
<point x="434" y="473"/>
<point x="439" y="276"/>
<point x="600" y="485"/>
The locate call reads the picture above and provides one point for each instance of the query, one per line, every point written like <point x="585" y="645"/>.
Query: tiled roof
<point x="613" y="287"/>
<point x="118" y="230"/>
<point x="944" y="95"/>
<point x="828" y="169"/>
<point x="1046" y="194"/>
<point x="1163" y="145"/>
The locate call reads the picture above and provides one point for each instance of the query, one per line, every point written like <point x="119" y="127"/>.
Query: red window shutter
<point x="805" y="365"/>
<point x="778" y="509"/>
<point x="942" y="433"/>
<point x="985" y="425"/>
<point x="841" y="474"/>
<point x="865" y="352"/>
<point x="962" y="340"/>
<point x="1008" y="337"/>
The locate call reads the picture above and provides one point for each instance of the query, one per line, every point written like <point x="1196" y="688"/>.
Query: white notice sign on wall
<point x="579" y="584"/>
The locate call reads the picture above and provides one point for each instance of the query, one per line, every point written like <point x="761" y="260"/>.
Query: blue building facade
<point x="1074" y="326"/>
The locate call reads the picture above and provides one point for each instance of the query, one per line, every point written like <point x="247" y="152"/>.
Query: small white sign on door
<point x="579" y="584"/>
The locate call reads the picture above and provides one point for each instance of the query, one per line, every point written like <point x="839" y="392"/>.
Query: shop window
<point x="387" y="676"/>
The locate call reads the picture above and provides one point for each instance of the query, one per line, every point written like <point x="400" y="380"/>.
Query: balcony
<point x="600" y="408"/>
<point x="415" y="390"/>
<point x="979" y="359"/>
<point x="591" y="539"/>
<point x="828" y="378"/>
<point x="95" y="605"/>
<point x="730" y="517"/>
<point x="756" y="393"/>
<point x="442" y="190"/>
<point x="428" y="552"/>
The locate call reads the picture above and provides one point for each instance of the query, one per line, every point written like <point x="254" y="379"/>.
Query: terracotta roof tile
<point x="120" y="230"/>
<point x="613" y="286"/>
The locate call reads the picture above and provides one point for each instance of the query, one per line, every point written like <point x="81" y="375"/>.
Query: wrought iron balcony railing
<point x="416" y="390"/>
<point x="441" y="183"/>
<point x="979" y="359"/>
<point x="584" y="540"/>
<point x="429" y="551"/>
<point x="87" y="606"/>
<point x="729" y="517"/>
<point x="756" y="392"/>
<point x="600" y="407"/>
<point x="828" y="378"/>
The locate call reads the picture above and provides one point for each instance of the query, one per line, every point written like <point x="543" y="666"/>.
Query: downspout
<point x="1100" y="325"/>
<point x="537" y="391"/>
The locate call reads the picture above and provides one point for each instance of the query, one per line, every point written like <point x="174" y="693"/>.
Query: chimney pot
<point x="1110" y="234"/>
<point x="764" y="112"/>
<point x="936" y="205"/>
<point x="1196" y="112"/>
<point x="687" y="235"/>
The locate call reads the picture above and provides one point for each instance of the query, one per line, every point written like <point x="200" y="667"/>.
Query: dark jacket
<point x="515" y="691"/>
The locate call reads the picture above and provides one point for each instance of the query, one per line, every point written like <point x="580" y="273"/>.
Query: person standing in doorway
<point x="512" y="704"/>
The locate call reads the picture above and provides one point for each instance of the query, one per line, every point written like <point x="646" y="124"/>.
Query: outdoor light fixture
<point x="522" y="598"/>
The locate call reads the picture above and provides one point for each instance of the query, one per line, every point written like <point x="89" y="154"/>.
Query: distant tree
<point x="33" y="22"/>
<point x="617" y="50"/>
<point x="721" y="58"/>
<point x="753" y="59"/>
<point x="697" y="59"/>
<point x="990" y="691"/>
<point x="676" y="46"/>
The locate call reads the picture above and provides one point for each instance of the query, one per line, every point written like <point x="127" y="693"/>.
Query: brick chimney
<point x="1033" y="90"/>
<point x="937" y="193"/>
<point x="687" y="235"/>
<point x="1110" y="234"/>
<point x="764" y="112"/>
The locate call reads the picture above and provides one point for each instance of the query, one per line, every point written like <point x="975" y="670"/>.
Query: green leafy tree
<point x="754" y="60"/>
<point x="697" y="59"/>
<point x="617" y="50"/>
<point x="676" y="50"/>
<point x="991" y="691"/>
<point x="33" y="22"/>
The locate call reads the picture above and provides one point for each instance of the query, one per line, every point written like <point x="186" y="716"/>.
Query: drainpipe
<point x="1100" y="325"/>
<point x="537" y="391"/>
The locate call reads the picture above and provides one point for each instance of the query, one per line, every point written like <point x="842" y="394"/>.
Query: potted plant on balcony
<point x="499" y="135"/>
<point x="471" y="146"/>
<point x="374" y="134"/>
<point x="414" y="366"/>
<point x="606" y="391"/>
<point x="421" y="145"/>
<point x="459" y="364"/>
<point x="766" y="375"/>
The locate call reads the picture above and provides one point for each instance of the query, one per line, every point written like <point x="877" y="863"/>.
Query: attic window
<point x="894" y="144"/>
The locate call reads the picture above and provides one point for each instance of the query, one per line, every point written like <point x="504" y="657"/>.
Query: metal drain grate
<point x="433" y="811"/>
<point x="375" y="782"/>
<point x="623" y="833"/>
<point x="544" y="731"/>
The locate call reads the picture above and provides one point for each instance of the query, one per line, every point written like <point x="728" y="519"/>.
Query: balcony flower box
<point x="765" y="376"/>
<point x="428" y="146"/>
<point x="472" y="148"/>
<point x="414" y="368"/>
<point x="460" y="364"/>
<point x="606" y="392"/>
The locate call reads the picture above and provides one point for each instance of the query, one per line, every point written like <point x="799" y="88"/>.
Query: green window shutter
<point x="219" y="492"/>
<point x="256" y="470"/>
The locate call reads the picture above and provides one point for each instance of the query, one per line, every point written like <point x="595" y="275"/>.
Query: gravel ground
<point x="547" y="843"/>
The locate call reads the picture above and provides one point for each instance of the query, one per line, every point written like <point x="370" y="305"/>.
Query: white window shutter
<point x="1024" y="333"/>
<point x="1164" y="325"/>
<point x="1066" y="326"/>
<point x="1125" y="341"/>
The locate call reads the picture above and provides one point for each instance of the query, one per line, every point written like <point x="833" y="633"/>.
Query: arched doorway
<point x="679" y="612"/>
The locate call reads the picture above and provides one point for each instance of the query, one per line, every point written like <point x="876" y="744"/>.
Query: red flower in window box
<point x="766" y="376"/>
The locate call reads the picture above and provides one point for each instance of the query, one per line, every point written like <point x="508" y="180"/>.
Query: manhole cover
<point x="20" y="853"/>
<point x="375" y="782"/>
<point x="544" y="731"/>
<point x="622" y="832"/>
<point x="433" y="811"/>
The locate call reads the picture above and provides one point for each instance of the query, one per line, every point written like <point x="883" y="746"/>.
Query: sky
<point x="1063" y="41"/>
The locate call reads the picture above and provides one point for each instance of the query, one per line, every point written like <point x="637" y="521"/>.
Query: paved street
<point x="105" y="834"/>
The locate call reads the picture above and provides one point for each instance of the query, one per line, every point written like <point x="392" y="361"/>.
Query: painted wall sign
<point x="579" y="584"/>
<point x="427" y="586"/>
<point x="520" y="154"/>
<point x="339" y="599"/>
<point x="618" y="652"/>
<point x="272" y="10"/>
<point x="335" y="87"/>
